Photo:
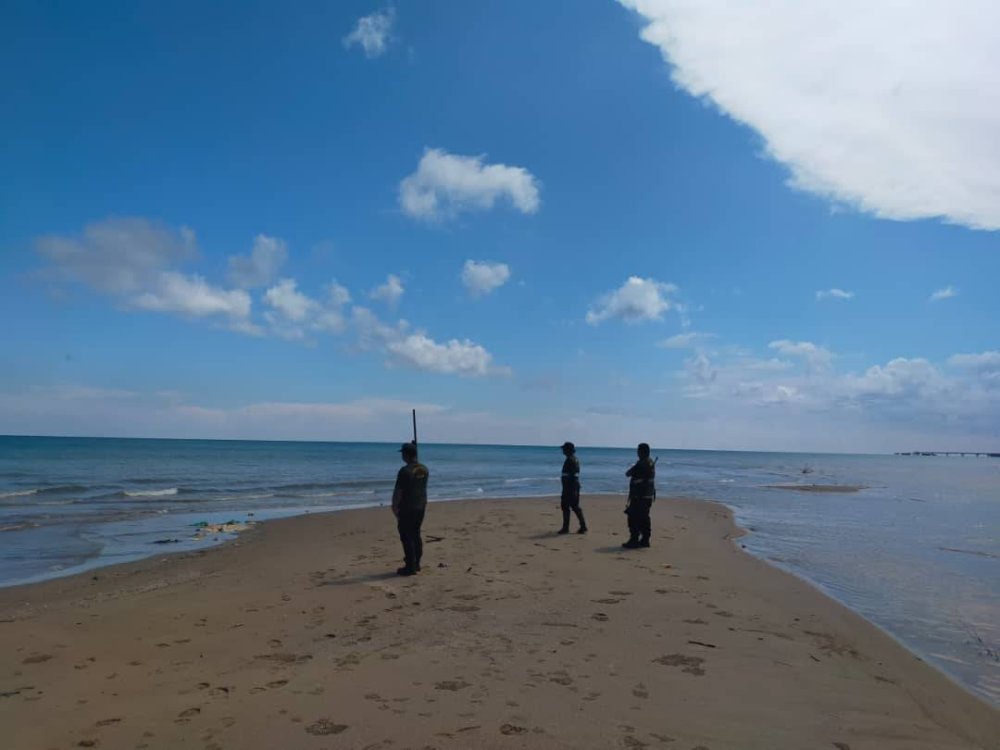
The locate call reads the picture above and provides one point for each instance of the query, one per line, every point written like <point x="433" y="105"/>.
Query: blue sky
<point x="606" y="222"/>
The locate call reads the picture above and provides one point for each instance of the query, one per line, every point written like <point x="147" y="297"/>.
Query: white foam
<point x="152" y="493"/>
<point x="17" y="493"/>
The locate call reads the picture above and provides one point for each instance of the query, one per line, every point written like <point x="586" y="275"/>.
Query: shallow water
<point x="917" y="552"/>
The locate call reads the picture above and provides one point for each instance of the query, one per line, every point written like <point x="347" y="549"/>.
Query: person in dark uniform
<point x="641" y="494"/>
<point x="409" y="501"/>
<point x="570" y="499"/>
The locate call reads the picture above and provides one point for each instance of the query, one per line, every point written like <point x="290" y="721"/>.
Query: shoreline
<point x="850" y="656"/>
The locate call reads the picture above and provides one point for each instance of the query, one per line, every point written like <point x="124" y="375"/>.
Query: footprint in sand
<point x="599" y="616"/>
<point x="688" y="664"/>
<point x="325" y="727"/>
<point x="451" y="685"/>
<point x="37" y="658"/>
<point x="640" y="691"/>
<point x="284" y="658"/>
<point x="512" y="729"/>
<point x="696" y="621"/>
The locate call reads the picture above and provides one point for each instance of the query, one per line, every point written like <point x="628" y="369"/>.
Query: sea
<point x="917" y="552"/>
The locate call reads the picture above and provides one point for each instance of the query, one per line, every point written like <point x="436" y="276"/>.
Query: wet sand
<point x="299" y="635"/>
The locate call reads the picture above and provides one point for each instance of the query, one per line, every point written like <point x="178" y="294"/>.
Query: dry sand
<point x="298" y="635"/>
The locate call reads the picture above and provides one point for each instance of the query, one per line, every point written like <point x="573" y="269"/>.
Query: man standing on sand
<point x="409" y="501"/>
<point x="641" y="493"/>
<point x="570" y="499"/>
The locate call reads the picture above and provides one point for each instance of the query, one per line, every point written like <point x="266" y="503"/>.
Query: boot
<point x="565" y="526"/>
<point x="632" y="543"/>
<point x="583" y="524"/>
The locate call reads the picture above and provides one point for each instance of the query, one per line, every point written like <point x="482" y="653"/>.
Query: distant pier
<point x="978" y="454"/>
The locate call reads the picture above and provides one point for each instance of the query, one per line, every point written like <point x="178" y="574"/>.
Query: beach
<point x="299" y="634"/>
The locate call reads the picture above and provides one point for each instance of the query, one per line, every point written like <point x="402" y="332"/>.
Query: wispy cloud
<point x="373" y="32"/>
<point x="890" y="108"/>
<point x="816" y="356"/>
<point x="261" y="266"/>
<point x="135" y="261"/>
<point x="634" y="301"/>
<point x="940" y="294"/>
<point x="445" y="185"/>
<point x="687" y="340"/>
<point x="833" y="294"/>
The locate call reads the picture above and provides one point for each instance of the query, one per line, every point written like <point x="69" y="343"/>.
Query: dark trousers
<point x="571" y="503"/>
<point x="408" y="523"/>
<point x="638" y="519"/>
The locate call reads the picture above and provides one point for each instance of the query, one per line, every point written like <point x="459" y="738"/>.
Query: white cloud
<point x="634" y="301"/>
<point x="889" y="107"/>
<point x="131" y="259"/>
<point x="833" y="294"/>
<point x="338" y="295"/>
<point x="447" y="184"/>
<point x="293" y="314"/>
<point x="420" y="351"/>
<point x="946" y="293"/>
<point x="687" y="340"/>
<point x="390" y="292"/>
<point x="192" y="296"/>
<point x="984" y="367"/>
<point x="289" y="302"/>
<point x="453" y="357"/>
<point x="117" y="256"/>
<point x="701" y="369"/>
<point x="816" y="356"/>
<point x="372" y="332"/>
<point x="986" y="361"/>
<point x="261" y="266"/>
<point x="372" y="32"/>
<point x="482" y="277"/>
<point x="961" y="406"/>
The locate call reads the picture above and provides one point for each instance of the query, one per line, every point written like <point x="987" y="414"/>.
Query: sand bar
<point x="298" y="635"/>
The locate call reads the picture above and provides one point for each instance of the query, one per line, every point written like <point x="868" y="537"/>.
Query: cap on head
<point x="408" y="449"/>
<point x="643" y="449"/>
<point x="568" y="446"/>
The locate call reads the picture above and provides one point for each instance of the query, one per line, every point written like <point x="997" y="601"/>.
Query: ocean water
<point x="917" y="552"/>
